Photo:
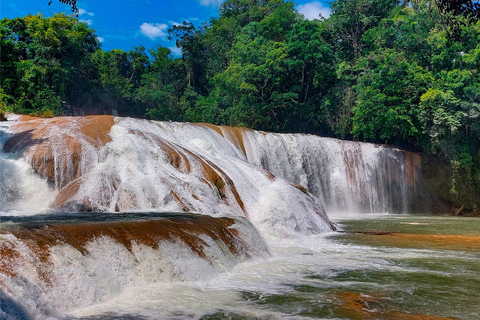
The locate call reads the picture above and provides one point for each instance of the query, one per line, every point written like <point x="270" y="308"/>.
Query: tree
<point x="407" y="30"/>
<point x="350" y="19"/>
<point x="388" y="91"/>
<point x="41" y="60"/>
<point x="115" y="73"/>
<point x="162" y="86"/>
<point x="455" y="14"/>
<point x="191" y="41"/>
<point x="441" y="118"/>
<point x="71" y="3"/>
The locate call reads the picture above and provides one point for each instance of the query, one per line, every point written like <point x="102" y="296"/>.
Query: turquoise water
<point x="416" y="224"/>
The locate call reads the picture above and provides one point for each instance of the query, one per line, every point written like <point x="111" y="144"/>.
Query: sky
<point x="124" y="24"/>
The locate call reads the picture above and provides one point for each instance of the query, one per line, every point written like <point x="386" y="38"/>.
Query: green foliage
<point x="39" y="58"/>
<point x="441" y="119"/>
<point x="350" y="19"/>
<point x="388" y="91"/>
<point x="3" y="105"/>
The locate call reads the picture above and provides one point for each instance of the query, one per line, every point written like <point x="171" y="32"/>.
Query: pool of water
<point x="421" y="267"/>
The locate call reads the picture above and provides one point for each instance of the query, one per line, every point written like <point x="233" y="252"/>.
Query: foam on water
<point x="347" y="176"/>
<point x="170" y="166"/>
<point x="136" y="171"/>
<point x="22" y="192"/>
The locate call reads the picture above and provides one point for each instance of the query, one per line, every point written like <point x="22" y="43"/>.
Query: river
<point x="408" y="267"/>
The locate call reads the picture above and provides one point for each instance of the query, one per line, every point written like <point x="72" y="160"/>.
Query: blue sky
<point x="124" y="24"/>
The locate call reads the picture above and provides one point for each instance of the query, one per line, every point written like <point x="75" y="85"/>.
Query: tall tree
<point x="350" y="19"/>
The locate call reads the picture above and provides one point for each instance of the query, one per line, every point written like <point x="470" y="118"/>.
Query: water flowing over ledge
<point x="57" y="265"/>
<point x="101" y="163"/>
<point x="120" y="164"/>
<point x="247" y="185"/>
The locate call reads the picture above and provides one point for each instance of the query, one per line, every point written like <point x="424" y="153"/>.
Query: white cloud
<point x="154" y="30"/>
<point x="176" y="51"/>
<point x="83" y="11"/>
<point x="211" y="3"/>
<point x="174" y="23"/>
<point x="100" y="39"/>
<point x="312" y="10"/>
<point x="89" y="22"/>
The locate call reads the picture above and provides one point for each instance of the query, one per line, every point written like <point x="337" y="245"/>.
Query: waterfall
<point x="119" y="164"/>
<point x="285" y="182"/>
<point x="99" y="187"/>
<point x="346" y="176"/>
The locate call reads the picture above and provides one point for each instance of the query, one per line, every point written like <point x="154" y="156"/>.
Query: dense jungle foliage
<point x="374" y="70"/>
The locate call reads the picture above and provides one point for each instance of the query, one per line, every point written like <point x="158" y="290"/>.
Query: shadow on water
<point x="93" y="217"/>
<point x="11" y="310"/>
<point x="16" y="143"/>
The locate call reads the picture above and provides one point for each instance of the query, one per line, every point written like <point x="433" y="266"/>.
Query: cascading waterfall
<point x="344" y="176"/>
<point x="143" y="165"/>
<point x="347" y="176"/>
<point x="254" y="185"/>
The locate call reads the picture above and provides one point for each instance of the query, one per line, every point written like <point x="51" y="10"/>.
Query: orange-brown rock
<point x="97" y="128"/>
<point x="423" y="241"/>
<point x="7" y="259"/>
<point x="181" y="158"/>
<point x="233" y="134"/>
<point x="413" y="167"/>
<point x="67" y="193"/>
<point x="54" y="146"/>
<point x="213" y="127"/>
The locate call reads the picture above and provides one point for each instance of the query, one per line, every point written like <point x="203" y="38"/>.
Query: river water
<point x="427" y="265"/>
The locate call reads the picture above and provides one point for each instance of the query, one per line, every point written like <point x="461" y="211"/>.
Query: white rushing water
<point x="300" y="280"/>
<point x="22" y="192"/>
<point x="347" y="176"/>
<point x="71" y="279"/>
